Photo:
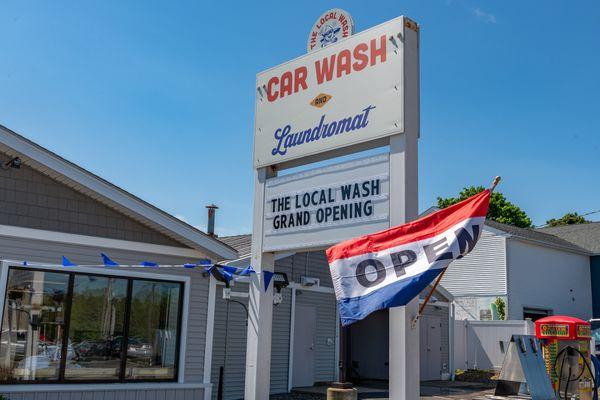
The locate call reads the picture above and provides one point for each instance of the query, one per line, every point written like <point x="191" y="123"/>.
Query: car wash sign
<point x="346" y="93"/>
<point x="322" y="206"/>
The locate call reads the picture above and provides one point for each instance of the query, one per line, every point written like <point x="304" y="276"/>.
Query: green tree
<point x="500" y="210"/>
<point x="571" y="218"/>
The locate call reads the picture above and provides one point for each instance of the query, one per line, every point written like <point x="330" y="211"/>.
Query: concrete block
<point x="342" y="394"/>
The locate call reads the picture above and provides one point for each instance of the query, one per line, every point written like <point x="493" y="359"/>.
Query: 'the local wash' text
<point x="321" y="206"/>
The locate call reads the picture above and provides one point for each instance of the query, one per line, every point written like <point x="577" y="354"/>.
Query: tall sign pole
<point x="260" y="310"/>
<point x="404" y="349"/>
<point x="350" y="93"/>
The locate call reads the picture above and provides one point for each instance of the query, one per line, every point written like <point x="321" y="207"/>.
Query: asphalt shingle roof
<point x="584" y="238"/>
<point x="537" y="236"/>
<point x="582" y="235"/>
<point x="241" y="243"/>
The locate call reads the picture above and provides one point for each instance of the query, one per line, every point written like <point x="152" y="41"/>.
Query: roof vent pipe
<point x="211" y="219"/>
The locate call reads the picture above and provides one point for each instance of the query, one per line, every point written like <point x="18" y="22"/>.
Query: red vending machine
<point x="566" y="351"/>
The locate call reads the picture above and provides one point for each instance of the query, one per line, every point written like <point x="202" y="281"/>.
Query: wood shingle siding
<point x="31" y="199"/>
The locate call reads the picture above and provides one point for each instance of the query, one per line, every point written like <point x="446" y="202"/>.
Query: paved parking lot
<point x="438" y="390"/>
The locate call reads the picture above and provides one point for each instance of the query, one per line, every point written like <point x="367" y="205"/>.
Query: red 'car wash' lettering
<point x="287" y="84"/>
<point x="342" y="64"/>
<point x="362" y="59"/>
<point x="335" y="66"/>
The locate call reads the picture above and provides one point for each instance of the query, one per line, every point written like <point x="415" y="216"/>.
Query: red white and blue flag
<point x="390" y="268"/>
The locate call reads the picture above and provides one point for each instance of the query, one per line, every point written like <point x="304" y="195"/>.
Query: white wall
<point x="544" y="277"/>
<point x="477" y="343"/>
<point x="482" y="272"/>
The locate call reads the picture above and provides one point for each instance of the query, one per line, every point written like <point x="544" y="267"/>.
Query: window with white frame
<point x="72" y="327"/>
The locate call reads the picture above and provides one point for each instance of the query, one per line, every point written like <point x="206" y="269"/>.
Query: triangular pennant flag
<point x="67" y="263"/>
<point x="247" y="271"/>
<point x="148" y="264"/>
<point x="267" y="276"/>
<point x="226" y="275"/>
<point x="107" y="261"/>
<point x="230" y="269"/>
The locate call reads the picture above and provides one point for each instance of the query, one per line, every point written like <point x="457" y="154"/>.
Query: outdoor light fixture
<point x="13" y="163"/>
<point x="280" y="280"/>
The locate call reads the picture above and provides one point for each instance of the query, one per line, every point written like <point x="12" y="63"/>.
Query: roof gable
<point x="83" y="181"/>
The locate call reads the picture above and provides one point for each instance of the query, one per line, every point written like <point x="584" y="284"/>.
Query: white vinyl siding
<point x="313" y="264"/>
<point x="547" y="278"/>
<point x="481" y="272"/>
<point x="229" y="344"/>
<point x="109" y="393"/>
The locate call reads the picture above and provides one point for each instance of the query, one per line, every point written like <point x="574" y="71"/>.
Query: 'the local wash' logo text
<point x="333" y="25"/>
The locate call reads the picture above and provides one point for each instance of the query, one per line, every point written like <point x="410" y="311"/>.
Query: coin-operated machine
<point x="566" y="351"/>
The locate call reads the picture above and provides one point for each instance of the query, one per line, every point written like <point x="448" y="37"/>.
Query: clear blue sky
<point x="157" y="97"/>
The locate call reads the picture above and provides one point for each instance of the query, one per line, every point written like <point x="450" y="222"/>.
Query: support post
<point x="260" y="303"/>
<point x="404" y="339"/>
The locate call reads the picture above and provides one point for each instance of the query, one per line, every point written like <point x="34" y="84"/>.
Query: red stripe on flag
<point x="424" y="228"/>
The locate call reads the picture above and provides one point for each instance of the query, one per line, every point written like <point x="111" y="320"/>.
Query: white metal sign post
<point x="359" y="93"/>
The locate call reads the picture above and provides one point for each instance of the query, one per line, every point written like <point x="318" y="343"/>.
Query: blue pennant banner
<point x="148" y="264"/>
<point x="67" y="263"/>
<point x="230" y="269"/>
<point x="247" y="271"/>
<point x="267" y="276"/>
<point x="107" y="261"/>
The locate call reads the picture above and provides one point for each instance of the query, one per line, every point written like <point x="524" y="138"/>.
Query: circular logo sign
<point x="331" y="27"/>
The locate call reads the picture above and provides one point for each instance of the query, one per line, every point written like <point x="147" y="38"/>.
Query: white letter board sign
<point x="326" y="205"/>
<point x="344" y="94"/>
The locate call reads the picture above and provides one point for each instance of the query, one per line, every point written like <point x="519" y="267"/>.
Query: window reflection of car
<point x="136" y="349"/>
<point x="48" y="357"/>
<point x="139" y="349"/>
<point x="88" y="350"/>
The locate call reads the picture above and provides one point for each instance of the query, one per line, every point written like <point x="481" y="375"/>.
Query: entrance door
<point x="305" y="324"/>
<point x="431" y="348"/>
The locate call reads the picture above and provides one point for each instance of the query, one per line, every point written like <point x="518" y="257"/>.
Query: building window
<point x="535" y="313"/>
<point x="33" y="326"/>
<point x="153" y="321"/>
<point x="119" y="329"/>
<point x="96" y="328"/>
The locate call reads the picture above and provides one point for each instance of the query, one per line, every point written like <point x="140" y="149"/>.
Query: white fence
<point x="477" y="343"/>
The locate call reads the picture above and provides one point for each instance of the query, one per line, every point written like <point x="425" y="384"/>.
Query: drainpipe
<point x="211" y="219"/>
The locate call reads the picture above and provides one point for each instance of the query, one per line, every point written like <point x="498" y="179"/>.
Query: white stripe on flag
<point x="353" y="279"/>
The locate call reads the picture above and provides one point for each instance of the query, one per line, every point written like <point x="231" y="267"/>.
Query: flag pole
<point x="495" y="183"/>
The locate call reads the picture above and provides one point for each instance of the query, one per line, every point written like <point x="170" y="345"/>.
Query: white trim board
<point x="100" y="387"/>
<point x="210" y="330"/>
<point x="85" y="182"/>
<point x="97" y="242"/>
